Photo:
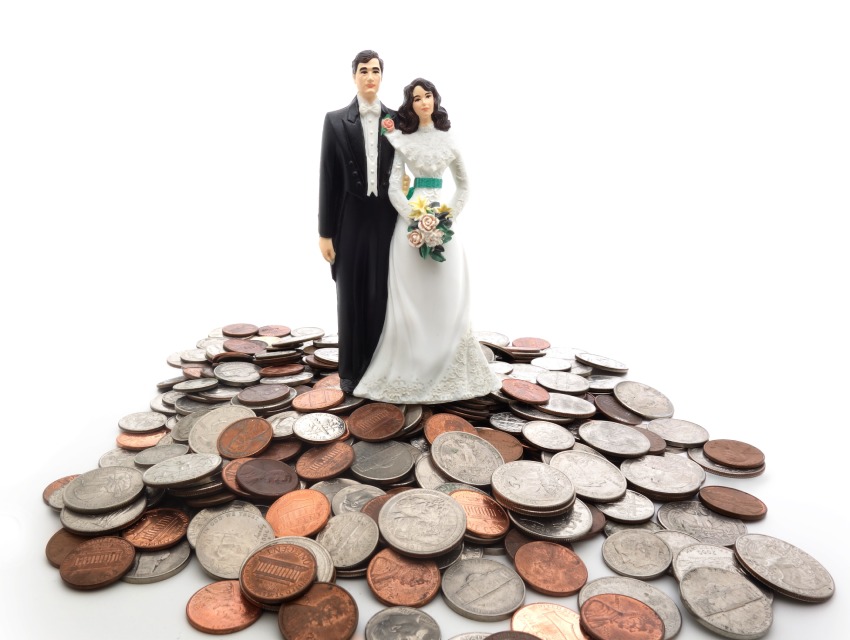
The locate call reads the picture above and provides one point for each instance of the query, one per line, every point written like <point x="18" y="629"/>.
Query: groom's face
<point x="367" y="78"/>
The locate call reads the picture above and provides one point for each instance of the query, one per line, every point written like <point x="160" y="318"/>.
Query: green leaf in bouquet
<point x="423" y="251"/>
<point x="439" y="257"/>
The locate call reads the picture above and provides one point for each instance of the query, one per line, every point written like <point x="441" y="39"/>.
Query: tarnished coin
<point x="382" y="462"/>
<point x="733" y="503"/>
<point x="548" y="621"/>
<point x="611" y="616"/>
<point x="563" y="382"/>
<point x="397" y="623"/>
<point x="693" y="518"/>
<point x="239" y="330"/>
<point x="610" y="407"/>
<point x="614" y="439"/>
<point x="183" y="470"/>
<point x="104" y="489"/>
<point x="567" y="406"/>
<point x="465" y="457"/>
<point x="264" y="394"/>
<point x="228" y="539"/>
<point x="319" y="428"/>
<point x="376" y="421"/>
<point x="240" y="345"/>
<point x="157" y="529"/>
<point x="61" y="544"/>
<point x="97" y="563"/>
<point x="679" y="433"/>
<point x="483" y="589"/>
<point x="548" y="436"/>
<point x="203" y="438"/>
<point x="531" y="487"/>
<point x="142" y="422"/>
<point x="726" y="603"/>
<point x="303" y="512"/>
<point x="784" y="567"/>
<point x="397" y="580"/>
<point x="103" y="523"/>
<point x="325" y="461"/>
<point x="550" y="569"/>
<point x="245" y="438"/>
<point x="563" y="528"/>
<point x="528" y="392"/>
<point x="632" y="508"/>
<point x="636" y="554"/>
<point x="238" y="374"/>
<point x="593" y="477"/>
<point x="353" y="498"/>
<point x="422" y="523"/>
<point x="643" y="400"/>
<point x="697" y="455"/>
<point x="733" y="453"/>
<point x="326" y="610"/>
<point x="277" y="572"/>
<point x="155" y="566"/>
<point x="669" y="476"/>
<point x="266" y="479"/>
<point x="651" y="596"/>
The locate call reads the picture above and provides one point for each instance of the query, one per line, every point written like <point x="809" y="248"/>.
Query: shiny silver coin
<point x="532" y="486"/>
<point x="693" y="518"/>
<point x="204" y="435"/>
<point x="562" y="528"/>
<point x="329" y="488"/>
<point x="784" y="567"/>
<point x="155" y="566"/>
<point x="196" y="385"/>
<point x="489" y="356"/>
<point x="669" y="475"/>
<point x="614" y="439"/>
<point x="677" y="541"/>
<point x="157" y="454"/>
<point x="593" y="477"/>
<point x="90" y="524"/>
<point x="327" y="354"/>
<point x="580" y="446"/>
<point x="493" y="337"/>
<point x="193" y="356"/>
<point x="507" y="421"/>
<point x="238" y="374"/>
<point x="501" y="368"/>
<point x="203" y="343"/>
<point x="551" y="363"/>
<point x="566" y="406"/>
<point x="327" y="340"/>
<point x="527" y="372"/>
<point x="636" y="554"/>
<point x="612" y="527"/>
<point x="428" y="476"/>
<point x="398" y="623"/>
<point x="350" y="538"/>
<point x="158" y="404"/>
<point x="221" y="393"/>
<point x="643" y="400"/>
<point x="483" y="589"/>
<point x="679" y="433"/>
<point x="189" y="469"/>
<point x="188" y="405"/>
<point x="603" y="384"/>
<point x="632" y="508"/>
<point x="319" y="428"/>
<point x="174" y="360"/>
<point x="382" y="462"/>
<point x="118" y="457"/>
<point x="200" y="519"/>
<point x="353" y="498"/>
<point x="651" y="596"/>
<point x="563" y="382"/>
<point x="293" y="380"/>
<point x="283" y="423"/>
<point x="228" y="539"/>
<point x="422" y="523"/>
<point x="103" y="489"/>
<point x="142" y="422"/>
<point x="697" y="455"/>
<point x="529" y="412"/>
<point x="308" y="333"/>
<point x="709" y="555"/>
<point x="726" y="603"/>
<point x="472" y="635"/>
<point x="180" y="432"/>
<point x="601" y="362"/>
<point x="412" y="420"/>
<point x="548" y="436"/>
<point x="465" y="457"/>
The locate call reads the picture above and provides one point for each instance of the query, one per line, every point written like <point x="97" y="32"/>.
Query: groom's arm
<point x="330" y="186"/>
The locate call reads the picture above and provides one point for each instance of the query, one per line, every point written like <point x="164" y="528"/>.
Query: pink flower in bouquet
<point x="415" y="238"/>
<point x="434" y="238"/>
<point x="428" y="222"/>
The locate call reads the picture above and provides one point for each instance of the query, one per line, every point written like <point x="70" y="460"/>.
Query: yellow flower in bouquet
<point x="419" y="207"/>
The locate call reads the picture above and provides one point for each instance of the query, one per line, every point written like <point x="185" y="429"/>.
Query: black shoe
<point x="347" y="385"/>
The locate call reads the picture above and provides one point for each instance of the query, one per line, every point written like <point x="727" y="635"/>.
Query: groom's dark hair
<point x="363" y="57"/>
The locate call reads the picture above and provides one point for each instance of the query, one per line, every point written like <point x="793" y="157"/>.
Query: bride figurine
<point x="427" y="352"/>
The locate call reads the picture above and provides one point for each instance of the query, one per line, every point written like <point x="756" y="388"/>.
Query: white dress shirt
<point x="370" y="120"/>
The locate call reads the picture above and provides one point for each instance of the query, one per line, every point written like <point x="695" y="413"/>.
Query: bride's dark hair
<point x="408" y="121"/>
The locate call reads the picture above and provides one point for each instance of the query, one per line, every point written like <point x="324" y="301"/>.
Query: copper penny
<point x="277" y="572"/>
<point x="657" y="444"/>
<point x="157" y="529"/>
<point x="195" y="373"/>
<point x="97" y="563"/>
<point x="513" y="635"/>
<point x="264" y="394"/>
<point x="61" y="544"/>
<point x="376" y="421"/>
<point x="52" y="488"/>
<point x="374" y="506"/>
<point x="283" y="450"/>
<point x="733" y="453"/>
<point x="398" y="581"/>
<point x="597" y="523"/>
<point x="244" y="438"/>
<point x="531" y="343"/>
<point x="249" y="347"/>
<point x="733" y="503"/>
<point x="266" y="479"/>
<point x="325" y="461"/>
<point x="228" y="476"/>
<point x="220" y="608"/>
<point x="139" y="441"/>
<point x="326" y="611"/>
<point x="525" y="391"/>
<point x="608" y="404"/>
<point x="281" y="370"/>
<point x="320" y="365"/>
<point x="303" y="512"/>
<point x="548" y="621"/>
<point x="441" y="422"/>
<point x="239" y="330"/>
<point x="274" y="331"/>
<point x="232" y="356"/>
<point x="328" y="382"/>
<point x="610" y="616"/>
<point x="509" y="447"/>
<point x="318" y="400"/>
<point x="485" y="518"/>
<point x="551" y="569"/>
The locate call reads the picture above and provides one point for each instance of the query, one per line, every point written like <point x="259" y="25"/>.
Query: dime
<point x="611" y="616"/>
<point x="325" y="611"/>
<point x="396" y="623"/>
<point x="636" y="554"/>
<point x="154" y="566"/>
<point x="733" y="453"/>
<point x="382" y="462"/>
<point x="643" y="400"/>
<point x="784" y="567"/>
<point x="651" y="596"/>
<point x="422" y="523"/>
<point x="733" y="503"/>
<point x="157" y="529"/>
<point x="277" y="572"/>
<point x="102" y="490"/>
<point x="303" y="512"/>
<point x="548" y="621"/>
<point x="706" y="526"/>
<point x="550" y="569"/>
<point x="632" y="508"/>
<point x="593" y="477"/>
<point x="228" y="539"/>
<point x="614" y="439"/>
<point x="220" y="608"/>
<point x="376" y="422"/>
<point x="397" y="580"/>
<point x="679" y="433"/>
<point x="483" y="589"/>
<point x="547" y="436"/>
<point x="668" y="476"/>
<point x="465" y="457"/>
<point x="726" y="603"/>
<point x="319" y="428"/>
<point x="183" y="470"/>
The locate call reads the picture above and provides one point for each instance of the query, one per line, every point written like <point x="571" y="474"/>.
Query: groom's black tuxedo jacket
<point x="343" y="176"/>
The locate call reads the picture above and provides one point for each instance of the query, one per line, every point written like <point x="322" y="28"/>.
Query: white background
<point x="664" y="183"/>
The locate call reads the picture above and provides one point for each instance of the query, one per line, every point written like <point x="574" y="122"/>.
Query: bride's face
<point x="423" y="103"/>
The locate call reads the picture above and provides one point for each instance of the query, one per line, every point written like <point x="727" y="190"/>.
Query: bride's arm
<point x="461" y="178"/>
<point x="398" y="198"/>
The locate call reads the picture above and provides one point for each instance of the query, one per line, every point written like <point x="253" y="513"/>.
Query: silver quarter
<point x="530" y="485"/>
<point x="180" y="433"/>
<point x="550" y="363"/>
<point x="153" y="455"/>
<point x="643" y="400"/>
<point x="563" y="382"/>
<point x="200" y="519"/>
<point x="238" y="374"/>
<point x="350" y="538"/>
<point x="142" y="422"/>
<point x="204" y="435"/>
<point x="669" y="475"/>
<point x="563" y="528"/>
<point x="548" y="436"/>
<point x="283" y="423"/>
<point x="693" y="518"/>
<point x="428" y="476"/>
<point x="228" y="539"/>
<point x="183" y="470"/>
<point x="601" y="362"/>
<point x="567" y="406"/>
<point x="422" y="523"/>
<point x="614" y="439"/>
<point x="603" y="384"/>
<point x="679" y="433"/>
<point x="319" y="428"/>
<point x="594" y="478"/>
<point x="493" y="337"/>
<point x="382" y="462"/>
<point x="154" y="566"/>
<point x="89" y="524"/>
<point x="465" y="457"/>
<point x="636" y="554"/>
<point x="507" y="421"/>
<point x="331" y="487"/>
<point x="402" y="623"/>
<point x="353" y="498"/>
<point x="651" y="596"/>
<point x="632" y="508"/>
<point x="709" y="555"/>
<point x="118" y="457"/>
<point x="612" y="527"/>
<point x="196" y="385"/>
<point x="483" y="589"/>
<point x="103" y="489"/>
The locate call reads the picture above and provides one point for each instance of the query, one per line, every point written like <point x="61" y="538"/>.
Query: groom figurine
<point x="356" y="219"/>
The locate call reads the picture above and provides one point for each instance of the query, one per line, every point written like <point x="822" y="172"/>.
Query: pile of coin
<point x="256" y="460"/>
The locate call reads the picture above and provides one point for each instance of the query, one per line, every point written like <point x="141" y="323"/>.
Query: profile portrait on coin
<point x="427" y="352"/>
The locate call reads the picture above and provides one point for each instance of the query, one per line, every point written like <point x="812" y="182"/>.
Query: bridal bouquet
<point x="430" y="228"/>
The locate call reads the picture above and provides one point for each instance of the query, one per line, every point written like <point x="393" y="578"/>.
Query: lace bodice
<point x="427" y="153"/>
